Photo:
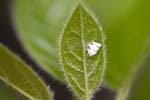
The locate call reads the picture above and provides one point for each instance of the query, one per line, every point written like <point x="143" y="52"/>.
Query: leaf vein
<point x="33" y="86"/>
<point x="75" y="55"/>
<point x="84" y="56"/>
<point x="75" y="68"/>
<point x="77" y="33"/>
<point x="95" y="68"/>
<point x="77" y="84"/>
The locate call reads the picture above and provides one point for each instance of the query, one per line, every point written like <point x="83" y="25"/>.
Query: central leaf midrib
<point x="84" y="56"/>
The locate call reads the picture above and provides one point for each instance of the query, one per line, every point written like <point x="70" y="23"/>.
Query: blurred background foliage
<point x="125" y="23"/>
<point x="140" y="87"/>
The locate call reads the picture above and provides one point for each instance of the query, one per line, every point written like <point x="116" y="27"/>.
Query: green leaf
<point x="82" y="70"/>
<point x="124" y="89"/>
<point x="7" y="93"/>
<point x="139" y="88"/>
<point x="19" y="76"/>
<point x="38" y="23"/>
<point x="125" y="23"/>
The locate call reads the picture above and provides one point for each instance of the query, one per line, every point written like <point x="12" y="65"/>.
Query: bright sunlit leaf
<point x="38" y="23"/>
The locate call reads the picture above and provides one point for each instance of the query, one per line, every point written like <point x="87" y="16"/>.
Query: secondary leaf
<point x="38" y="23"/>
<point x="125" y="23"/>
<point x="81" y="36"/>
<point x="126" y="39"/>
<point x="7" y="93"/>
<point x="141" y="85"/>
<point x="19" y="76"/>
<point x="138" y="88"/>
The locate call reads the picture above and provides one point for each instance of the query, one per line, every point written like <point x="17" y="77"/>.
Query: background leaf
<point x="20" y="77"/>
<point x="38" y="24"/>
<point x="7" y="94"/>
<point x="83" y="72"/>
<point x="125" y="25"/>
<point x="140" y="88"/>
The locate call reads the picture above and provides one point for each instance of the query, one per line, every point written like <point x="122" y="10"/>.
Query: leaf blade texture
<point x="83" y="72"/>
<point x="7" y="93"/>
<point x="19" y="76"/>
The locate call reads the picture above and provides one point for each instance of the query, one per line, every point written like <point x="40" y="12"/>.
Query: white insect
<point x="93" y="48"/>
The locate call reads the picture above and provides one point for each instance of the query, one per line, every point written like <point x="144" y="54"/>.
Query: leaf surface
<point x="19" y="76"/>
<point x="125" y="24"/>
<point x="7" y="93"/>
<point x="83" y="72"/>
<point x="138" y="88"/>
<point x="141" y="85"/>
<point x="38" y="23"/>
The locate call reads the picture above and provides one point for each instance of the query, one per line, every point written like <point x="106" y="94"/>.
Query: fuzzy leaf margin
<point x="83" y="72"/>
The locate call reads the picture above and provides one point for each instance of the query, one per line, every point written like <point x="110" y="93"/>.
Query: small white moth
<point x="93" y="48"/>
